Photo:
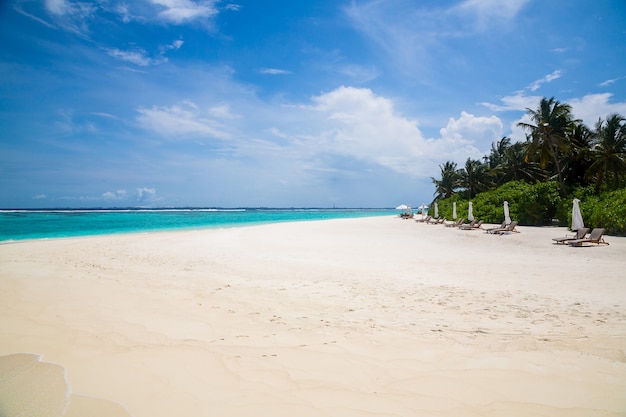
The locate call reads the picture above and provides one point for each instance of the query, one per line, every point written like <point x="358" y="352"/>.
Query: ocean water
<point x="40" y="224"/>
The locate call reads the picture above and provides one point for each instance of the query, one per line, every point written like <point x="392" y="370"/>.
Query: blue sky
<point x="283" y="103"/>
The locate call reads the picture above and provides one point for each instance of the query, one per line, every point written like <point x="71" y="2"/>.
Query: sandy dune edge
<point x="376" y="317"/>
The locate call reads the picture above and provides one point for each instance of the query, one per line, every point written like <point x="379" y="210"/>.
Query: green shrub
<point x="538" y="204"/>
<point x="608" y="210"/>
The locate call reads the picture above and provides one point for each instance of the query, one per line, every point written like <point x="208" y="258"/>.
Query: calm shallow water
<point x="37" y="224"/>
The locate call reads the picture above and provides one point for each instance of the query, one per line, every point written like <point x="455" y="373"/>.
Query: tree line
<point x="558" y="148"/>
<point x="581" y="162"/>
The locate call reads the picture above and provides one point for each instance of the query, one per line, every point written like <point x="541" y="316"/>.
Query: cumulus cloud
<point x="145" y="194"/>
<point x="592" y="107"/>
<point x="344" y="124"/>
<point x="365" y="126"/>
<point x="114" y="195"/>
<point x="482" y="130"/>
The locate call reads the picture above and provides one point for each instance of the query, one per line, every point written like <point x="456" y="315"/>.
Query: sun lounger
<point x="455" y="224"/>
<point x="506" y="229"/>
<point x="594" y="237"/>
<point x="580" y="234"/>
<point x="472" y="226"/>
<point x="424" y="220"/>
<point x="436" y="221"/>
<point x="503" y="225"/>
<point x="469" y="225"/>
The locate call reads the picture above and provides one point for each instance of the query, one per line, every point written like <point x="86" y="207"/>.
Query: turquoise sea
<point x="39" y="224"/>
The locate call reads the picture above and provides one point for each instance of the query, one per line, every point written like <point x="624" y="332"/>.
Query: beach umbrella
<point x="424" y="209"/>
<point x="507" y="217"/>
<point x="402" y="207"/>
<point x="577" y="217"/>
<point x="470" y="212"/>
<point x="436" y="211"/>
<point x="454" y="210"/>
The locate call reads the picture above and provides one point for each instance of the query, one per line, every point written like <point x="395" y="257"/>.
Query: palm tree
<point x="609" y="151"/>
<point x="495" y="161"/>
<point x="577" y="161"/>
<point x="497" y="152"/>
<point x="474" y="177"/>
<point x="449" y="182"/>
<point x="515" y="166"/>
<point x="548" y="133"/>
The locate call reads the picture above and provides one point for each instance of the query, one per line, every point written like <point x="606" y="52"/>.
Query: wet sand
<point x="354" y="317"/>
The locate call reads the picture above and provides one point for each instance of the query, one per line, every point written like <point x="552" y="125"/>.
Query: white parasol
<point x="507" y="216"/>
<point x="470" y="212"/>
<point x="454" y="210"/>
<point x="424" y="210"/>
<point x="403" y="207"/>
<point x="577" y="217"/>
<point x="436" y="211"/>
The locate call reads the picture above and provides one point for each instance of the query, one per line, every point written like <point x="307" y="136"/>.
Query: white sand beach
<point x="355" y="317"/>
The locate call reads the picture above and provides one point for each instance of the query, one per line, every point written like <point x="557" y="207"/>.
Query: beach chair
<point x="594" y="237"/>
<point x="424" y="220"/>
<point x="467" y="226"/>
<point x="436" y="221"/>
<point x="503" y="225"/>
<point x="456" y="223"/>
<point x="472" y="226"/>
<point x="580" y="234"/>
<point x="506" y="229"/>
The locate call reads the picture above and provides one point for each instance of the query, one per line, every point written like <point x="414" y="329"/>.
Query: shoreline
<point x="335" y="317"/>
<point x="52" y="224"/>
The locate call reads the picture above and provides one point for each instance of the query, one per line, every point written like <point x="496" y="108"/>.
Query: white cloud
<point x="274" y="71"/>
<point x="177" y="44"/>
<point x="182" y="11"/>
<point x="365" y="126"/>
<point x="609" y="82"/>
<point x="145" y="194"/>
<point x="71" y="16"/>
<point x="359" y="73"/>
<point x="114" y="195"/>
<point x="222" y="112"/>
<point x="232" y="7"/>
<point x="137" y="57"/>
<point x="534" y="86"/>
<point x="40" y="197"/>
<point x="488" y="13"/>
<point x="345" y="124"/>
<point x="518" y="101"/>
<point x="58" y="7"/>
<point x="180" y="121"/>
<point x="414" y="36"/>
<point x="592" y="107"/>
<point x="481" y="130"/>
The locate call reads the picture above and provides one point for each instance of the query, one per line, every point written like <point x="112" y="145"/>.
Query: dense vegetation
<point x="560" y="160"/>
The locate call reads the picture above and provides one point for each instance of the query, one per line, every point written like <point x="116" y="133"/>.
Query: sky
<point x="282" y="103"/>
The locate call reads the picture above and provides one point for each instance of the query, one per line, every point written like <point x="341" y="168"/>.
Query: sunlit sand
<point x="375" y="316"/>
